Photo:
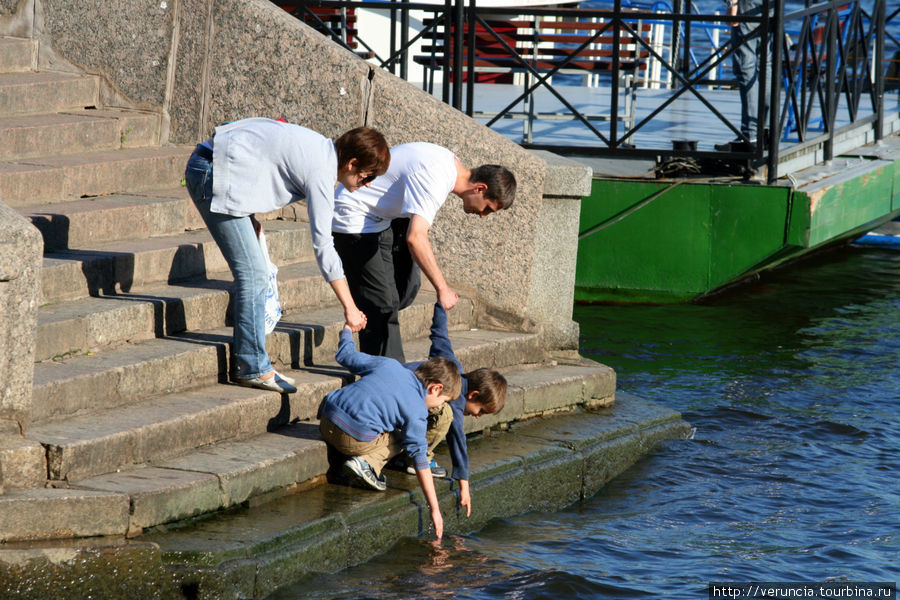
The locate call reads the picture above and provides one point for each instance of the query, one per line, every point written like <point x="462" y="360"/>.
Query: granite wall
<point x="16" y="17"/>
<point x="204" y="62"/>
<point x="21" y="252"/>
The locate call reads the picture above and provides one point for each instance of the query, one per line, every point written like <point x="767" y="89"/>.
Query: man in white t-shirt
<point x="381" y="233"/>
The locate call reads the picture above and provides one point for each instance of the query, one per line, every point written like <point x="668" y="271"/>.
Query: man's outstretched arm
<point x="420" y="249"/>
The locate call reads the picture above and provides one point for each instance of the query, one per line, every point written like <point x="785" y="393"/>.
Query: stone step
<point x="16" y="54"/>
<point x="39" y="93"/>
<point x="82" y="223"/>
<point x="106" y="441"/>
<point x="119" y="376"/>
<point x="268" y="465"/>
<point x="102" y="441"/>
<point x="122" y="266"/>
<point x="89" y="324"/>
<point x="61" y="178"/>
<point x="69" y="132"/>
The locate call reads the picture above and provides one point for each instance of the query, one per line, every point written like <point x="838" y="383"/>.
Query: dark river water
<point x="793" y="385"/>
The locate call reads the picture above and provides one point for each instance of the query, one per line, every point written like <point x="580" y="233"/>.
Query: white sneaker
<point x="364" y="473"/>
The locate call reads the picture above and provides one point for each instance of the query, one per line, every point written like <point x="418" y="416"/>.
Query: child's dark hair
<point x="440" y="370"/>
<point x="501" y="183"/>
<point x="491" y="387"/>
<point x="367" y="146"/>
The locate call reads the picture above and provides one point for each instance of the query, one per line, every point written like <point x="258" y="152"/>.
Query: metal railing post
<point x="686" y="61"/>
<point x="775" y="98"/>
<point x="404" y="40"/>
<point x="393" y="38"/>
<point x="448" y="25"/>
<point x="878" y="61"/>
<point x="470" y="73"/>
<point x="614" y="97"/>
<point x="762" y="73"/>
<point x="458" y="45"/>
<point x="830" y="95"/>
<point x="675" y="38"/>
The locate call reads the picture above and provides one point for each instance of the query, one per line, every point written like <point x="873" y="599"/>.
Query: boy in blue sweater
<point x="483" y="392"/>
<point x="385" y="412"/>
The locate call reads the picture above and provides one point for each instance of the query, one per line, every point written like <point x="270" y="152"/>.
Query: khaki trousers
<point x="377" y="452"/>
<point x="439" y="421"/>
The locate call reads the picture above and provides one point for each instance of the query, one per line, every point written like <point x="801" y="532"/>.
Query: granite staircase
<point x="134" y="423"/>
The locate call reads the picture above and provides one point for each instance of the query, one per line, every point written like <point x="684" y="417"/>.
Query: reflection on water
<point x="793" y="385"/>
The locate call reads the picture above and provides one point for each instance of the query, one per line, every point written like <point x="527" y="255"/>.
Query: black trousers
<point x="383" y="279"/>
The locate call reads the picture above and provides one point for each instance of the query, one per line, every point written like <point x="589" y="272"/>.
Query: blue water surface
<point x="793" y="385"/>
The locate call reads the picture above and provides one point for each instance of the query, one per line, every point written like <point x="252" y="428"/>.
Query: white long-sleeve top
<point x="261" y="165"/>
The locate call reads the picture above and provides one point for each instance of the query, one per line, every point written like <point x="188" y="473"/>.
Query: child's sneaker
<point x="436" y="469"/>
<point x="397" y="463"/>
<point x="364" y="473"/>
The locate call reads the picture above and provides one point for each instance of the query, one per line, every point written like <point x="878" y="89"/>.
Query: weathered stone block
<point x="17" y="18"/>
<point x="97" y="569"/>
<point x="545" y="392"/>
<point x="375" y="523"/>
<point x="160" y="495"/>
<point x="234" y="581"/>
<point x="24" y="463"/>
<point x="137" y="38"/>
<point x="32" y="93"/>
<point x="652" y="436"/>
<point x="637" y="410"/>
<point x="52" y="514"/>
<point x="232" y="50"/>
<point x="608" y="458"/>
<point x="324" y="548"/>
<point x="21" y="251"/>
<point x="253" y="467"/>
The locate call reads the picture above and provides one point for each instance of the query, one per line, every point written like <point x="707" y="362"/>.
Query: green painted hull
<point x="659" y="242"/>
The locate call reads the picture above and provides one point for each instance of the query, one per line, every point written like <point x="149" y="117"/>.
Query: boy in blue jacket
<point x="385" y="412"/>
<point x="483" y="392"/>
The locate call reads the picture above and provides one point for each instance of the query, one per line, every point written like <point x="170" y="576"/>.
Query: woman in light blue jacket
<point x="262" y="165"/>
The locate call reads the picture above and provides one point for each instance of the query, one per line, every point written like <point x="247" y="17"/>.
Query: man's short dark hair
<point x="501" y="183"/>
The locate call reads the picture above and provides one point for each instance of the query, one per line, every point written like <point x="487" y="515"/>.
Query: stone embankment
<point x="545" y="463"/>
<point x="129" y="467"/>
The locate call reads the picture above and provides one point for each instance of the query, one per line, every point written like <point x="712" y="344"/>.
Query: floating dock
<point x="650" y="238"/>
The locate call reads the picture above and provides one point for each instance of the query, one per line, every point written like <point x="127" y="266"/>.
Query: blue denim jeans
<point x="239" y="245"/>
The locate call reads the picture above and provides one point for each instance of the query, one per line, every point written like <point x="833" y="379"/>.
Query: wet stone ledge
<point x="538" y="464"/>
